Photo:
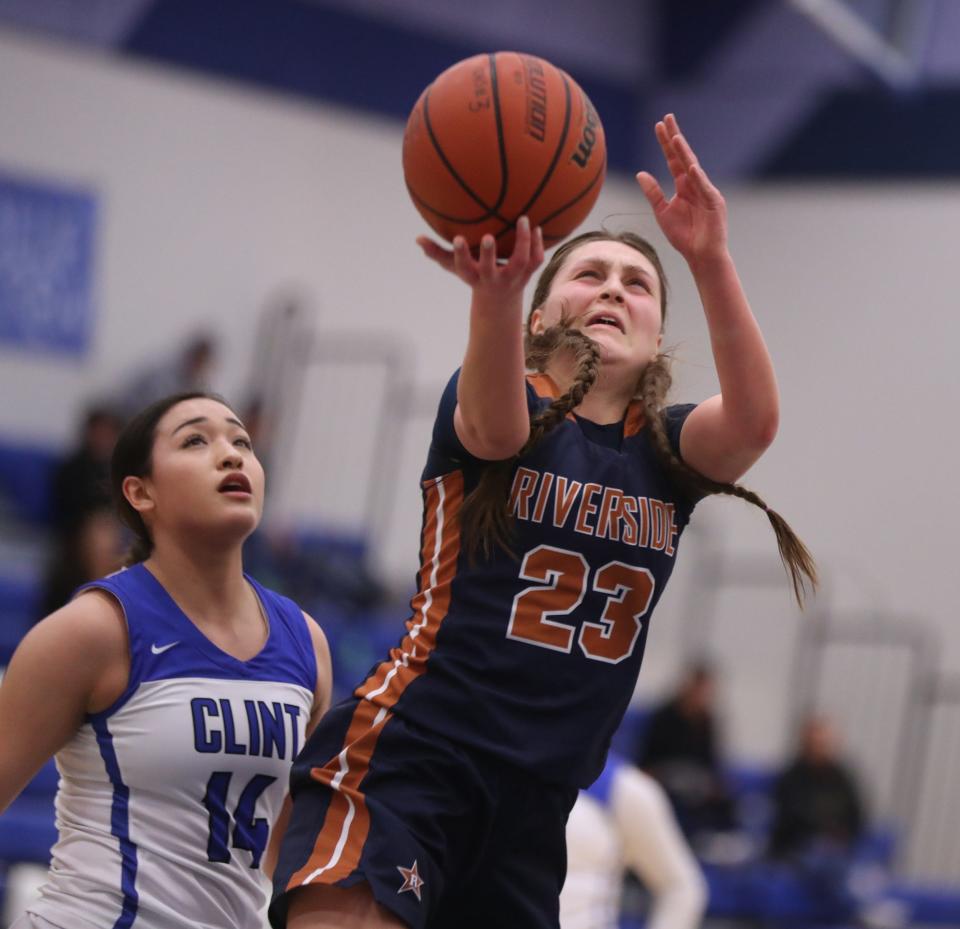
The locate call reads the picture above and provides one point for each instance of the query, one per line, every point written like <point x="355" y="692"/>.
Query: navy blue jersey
<point x="534" y="658"/>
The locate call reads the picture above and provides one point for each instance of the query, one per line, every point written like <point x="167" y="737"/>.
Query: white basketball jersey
<point x="166" y="799"/>
<point x="591" y="893"/>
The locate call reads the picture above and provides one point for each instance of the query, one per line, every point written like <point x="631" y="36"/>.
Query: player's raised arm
<point x="491" y="418"/>
<point x="727" y="433"/>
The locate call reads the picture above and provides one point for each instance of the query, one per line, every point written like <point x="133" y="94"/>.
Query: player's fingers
<point x="522" y="244"/>
<point x="487" y="263"/>
<point x="673" y="126"/>
<point x="695" y="187"/>
<point x="705" y="187"/>
<point x="442" y="256"/>
<point x="664" y="138"/>
<point x="463" y="263"/>
<point x="683" y="150"/>
<point x="651" y="190"/>
<point x="687" y="191"/>
<point x="660" y="130"/>
<point x="674" y="161"/>
<point x="536" y="249"/>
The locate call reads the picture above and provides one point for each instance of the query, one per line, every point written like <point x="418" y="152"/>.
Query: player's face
<point x="610" y="292"/>
<point x="204" y="476"/>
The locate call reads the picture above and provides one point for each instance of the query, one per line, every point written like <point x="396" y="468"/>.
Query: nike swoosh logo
<point x="160" y="649"/>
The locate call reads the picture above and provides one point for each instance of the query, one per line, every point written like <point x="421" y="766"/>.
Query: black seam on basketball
<point x="498" y="119"/>
<point x="577" y="198"/>
<point x="556" y="155"/>
<point x="461" y="220"/>
<point x="491" y="211"/>
<point x="566" y="206"/>
<point x="553" y="164"/>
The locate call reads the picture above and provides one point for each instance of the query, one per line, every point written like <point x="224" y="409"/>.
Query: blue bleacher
<point x="27" y="829"/>
<point x="26" y="472"/>
<point x="759" y="891"/>
<point x="19" y="602"/>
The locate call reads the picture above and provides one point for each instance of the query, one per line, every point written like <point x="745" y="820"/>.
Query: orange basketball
<point x="499" y="136"/>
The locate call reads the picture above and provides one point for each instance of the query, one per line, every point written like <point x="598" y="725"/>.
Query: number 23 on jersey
<point x="561" y="580"/>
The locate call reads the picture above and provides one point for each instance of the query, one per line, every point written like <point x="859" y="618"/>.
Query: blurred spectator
<point x="680" y="749"/>
<point x="189" y="368"/>
<point x="81" y="482"/>
<point x="89" y="548"/>
<point x="624" y="821"/>
<point x="817" y="802"/>
<point x="87" y="541"/>
<point x="818" y="823"/>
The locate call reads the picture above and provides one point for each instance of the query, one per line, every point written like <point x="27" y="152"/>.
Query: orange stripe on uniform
<point x="438" y="567"/>
<point x="545" y="386"/>
<point x="634" y="420"/>
<point x="340" y="842"/>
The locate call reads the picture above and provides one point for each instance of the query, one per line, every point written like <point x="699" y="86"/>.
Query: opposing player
<point x="554" y="504"/>
<point x="622" y="822"/>
<point x="174" y="694"/>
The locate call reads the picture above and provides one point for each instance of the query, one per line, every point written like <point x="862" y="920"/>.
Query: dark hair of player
<point x="485" y="515"/>
<point x="133" y="457"/>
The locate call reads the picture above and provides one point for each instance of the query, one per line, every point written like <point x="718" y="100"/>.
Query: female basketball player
<point x="553" y="506"/>
<point x="175" y="694"/>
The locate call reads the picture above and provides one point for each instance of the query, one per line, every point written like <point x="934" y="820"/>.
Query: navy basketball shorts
<point x="445" y="836"/>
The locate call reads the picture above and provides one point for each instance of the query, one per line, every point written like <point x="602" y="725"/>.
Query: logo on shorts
<point x="411" y="880"/>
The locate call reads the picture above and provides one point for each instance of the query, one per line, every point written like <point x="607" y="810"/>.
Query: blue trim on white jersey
<point x="120" y="826"/>
<point x="165" y="644"/>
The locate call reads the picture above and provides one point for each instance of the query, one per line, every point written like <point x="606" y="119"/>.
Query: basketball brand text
<point x="481" y="91"/>
<point x="536" y="99"/>
<point x="588" y="137"/>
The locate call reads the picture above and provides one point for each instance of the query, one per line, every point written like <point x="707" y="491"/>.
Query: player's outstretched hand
<point x="694" y="219"/>
<point x="484" y="273"/>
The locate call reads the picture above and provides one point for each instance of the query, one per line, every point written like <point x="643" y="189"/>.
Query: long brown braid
<point x="485" y="516"/>
<point x="654" y="384"/>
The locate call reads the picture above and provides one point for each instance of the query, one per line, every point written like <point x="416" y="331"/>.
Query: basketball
<point x="499" y="136"/>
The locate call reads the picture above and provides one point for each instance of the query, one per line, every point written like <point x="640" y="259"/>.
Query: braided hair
<point x="485" y="516"/>
<point x="654" y="384"/>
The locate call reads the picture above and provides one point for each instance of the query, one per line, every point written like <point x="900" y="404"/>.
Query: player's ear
<point x="535" y="323"/>
<point x="137" y="492"/>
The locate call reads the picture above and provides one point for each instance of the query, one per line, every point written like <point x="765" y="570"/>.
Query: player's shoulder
<point x="79" y="642"/>
<point x="93" y="619"/>
<point x="323" y="688"/>
<point x="317" y="636"/>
